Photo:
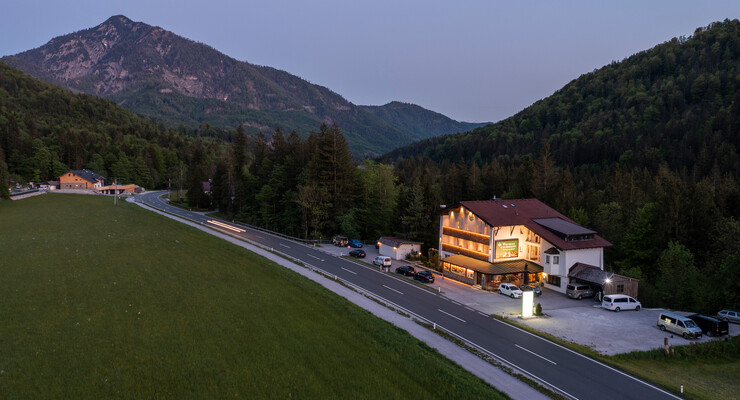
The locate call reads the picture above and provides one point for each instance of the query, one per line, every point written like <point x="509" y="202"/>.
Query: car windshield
<point x="513" y="287"/>
<point x="690" y="324"/>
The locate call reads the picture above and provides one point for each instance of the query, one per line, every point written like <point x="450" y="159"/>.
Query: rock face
<point x="157" y="73"/>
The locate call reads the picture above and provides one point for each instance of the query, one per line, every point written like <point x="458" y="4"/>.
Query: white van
<point x="679" y="325"/>
<point x="619" y="302"/>
<point x="383" y="261"/>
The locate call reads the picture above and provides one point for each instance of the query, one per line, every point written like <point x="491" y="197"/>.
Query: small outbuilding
<point x="605" y="281"/>
<point x="397" y="248"/>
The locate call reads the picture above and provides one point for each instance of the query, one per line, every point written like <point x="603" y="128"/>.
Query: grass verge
<point x="118" y="302"/>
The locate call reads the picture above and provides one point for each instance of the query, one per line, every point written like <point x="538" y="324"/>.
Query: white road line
<point x="390" y="288"/>
<point x="532" y="352"/>
<point x="445" y="312"/>
<point x="483" y="314"/>
<point x="258" y="236"/>
<point x="284" y="245"/>
<point x="469" y="308"/>
<point x="351" y="272"/>
<point x="311" y="255"/>
<point x="456" y="303"/>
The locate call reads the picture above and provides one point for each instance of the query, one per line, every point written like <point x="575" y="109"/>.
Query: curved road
<point x="572" y="374"/>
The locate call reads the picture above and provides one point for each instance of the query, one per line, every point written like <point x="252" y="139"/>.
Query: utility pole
<point x="115" y="194"/>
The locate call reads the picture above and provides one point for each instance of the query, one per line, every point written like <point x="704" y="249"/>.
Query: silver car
<point x="729" y="315"/>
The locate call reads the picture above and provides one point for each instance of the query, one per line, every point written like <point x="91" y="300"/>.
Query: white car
<point x="619" y="302"/>
<point x="382" y="261"/>
<point x="510" y="289"/>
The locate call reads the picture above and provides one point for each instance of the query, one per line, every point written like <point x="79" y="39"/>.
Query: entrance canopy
<point x="499" y="268"/>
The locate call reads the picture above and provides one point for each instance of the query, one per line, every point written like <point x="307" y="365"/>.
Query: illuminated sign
<point x="527" y="302"/>
<point x="507" y="248"/>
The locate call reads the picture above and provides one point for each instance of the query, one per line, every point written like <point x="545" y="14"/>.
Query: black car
<point x="709" y="325"/>
<point x="405" y="270"/>
<point x="536" y="289"/>
<point x="359" y="253"/>
<point x="424" y="276"/>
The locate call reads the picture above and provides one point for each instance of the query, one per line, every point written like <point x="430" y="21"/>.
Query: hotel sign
<point x="507" y="248"/>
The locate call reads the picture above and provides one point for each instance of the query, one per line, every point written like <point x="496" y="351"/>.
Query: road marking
<point x="483" y="314"/>
<point x="284" y="245"/>
<point x="469" y="308"/>
<point x="311" y="255"/>
<point x="258" y="236"/>
<point x="532" y="352"/>
<point x="445" y="312"/>
<point x="587" y="358"/>
<point x="456" y="303"/>
<point x="351" y="272"/>
<point x="390" y="288"/>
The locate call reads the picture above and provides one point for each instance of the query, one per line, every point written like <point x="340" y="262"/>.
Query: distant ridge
<point x="157" y="73"/>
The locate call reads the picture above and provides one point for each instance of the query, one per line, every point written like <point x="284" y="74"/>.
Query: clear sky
<point x="472" y="60"/>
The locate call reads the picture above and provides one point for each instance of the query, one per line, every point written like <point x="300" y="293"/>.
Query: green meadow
<point x="104" y="302"/>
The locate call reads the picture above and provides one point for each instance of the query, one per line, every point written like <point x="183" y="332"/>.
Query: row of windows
<point x="555" y="259"/>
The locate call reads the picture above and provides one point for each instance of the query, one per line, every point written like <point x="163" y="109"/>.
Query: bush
<point x="538" y="310"/>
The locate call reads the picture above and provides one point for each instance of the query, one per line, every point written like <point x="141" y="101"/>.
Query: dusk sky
<point x="470" y="60"/>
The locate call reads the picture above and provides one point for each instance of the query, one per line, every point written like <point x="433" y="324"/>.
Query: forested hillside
<point x="46" y="130"/>
<point x="157" y="73"/>
<point x="644" y="150"/>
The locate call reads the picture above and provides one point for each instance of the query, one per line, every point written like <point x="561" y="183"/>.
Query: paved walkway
<point x="474" y="364"/>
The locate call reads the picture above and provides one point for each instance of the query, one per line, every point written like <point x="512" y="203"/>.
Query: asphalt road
<point x="568" y="372"/>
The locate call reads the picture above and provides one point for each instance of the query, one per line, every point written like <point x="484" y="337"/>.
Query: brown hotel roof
<point x="538" y="217"/>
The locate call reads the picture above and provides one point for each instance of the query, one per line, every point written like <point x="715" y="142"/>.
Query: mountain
<point x="418" y="120"/>
<point x="46" y="130"/>
<point x="677" y="103"/>
<point x="157" y="73"/>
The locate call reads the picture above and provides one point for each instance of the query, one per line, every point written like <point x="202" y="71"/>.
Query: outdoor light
<point x="527" y="303"/>
<point x="608" y="280"/>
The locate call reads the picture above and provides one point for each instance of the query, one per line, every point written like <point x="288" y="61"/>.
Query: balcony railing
<point x="466" y="235"/>
<point x="459" y="250"/>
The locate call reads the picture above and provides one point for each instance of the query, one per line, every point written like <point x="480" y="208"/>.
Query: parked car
<point x="679" y="325"/>
<point x="510" y="289"/>
<point x="383" y="261"/>
<point x="710" y="326"/>
<point x="357" y="253"/>
<point x="340" y="241"/>
<point x="527" y="288"/>
<point x="619" y="302"/>
<point x="579" y="290"/>
<point x="354" y="243"/>
<point x="729" y="315"/>
<point x="405" y="270"/>
<point x="424" y="276"/>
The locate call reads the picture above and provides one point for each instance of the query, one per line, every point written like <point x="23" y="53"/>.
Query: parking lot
<point x="579" y="321"/>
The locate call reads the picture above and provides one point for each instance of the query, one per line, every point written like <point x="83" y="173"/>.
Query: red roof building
<point x="523" y="241"/>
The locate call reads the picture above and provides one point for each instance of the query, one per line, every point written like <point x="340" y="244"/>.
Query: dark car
<point x="527" y="288"/>
<point x="424" y="276"/>
<point x="405" y="270"/>
<point x="709" y="325"/>
<point x="354" y="243"/>
<point x="357" y="253"/>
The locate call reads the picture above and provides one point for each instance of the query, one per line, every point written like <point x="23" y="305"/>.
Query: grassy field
<point x="117" y="302"/>
<point x="707" y="371"/>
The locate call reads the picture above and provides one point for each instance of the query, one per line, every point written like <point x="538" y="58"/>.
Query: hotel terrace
<point x="484" y="243"/>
